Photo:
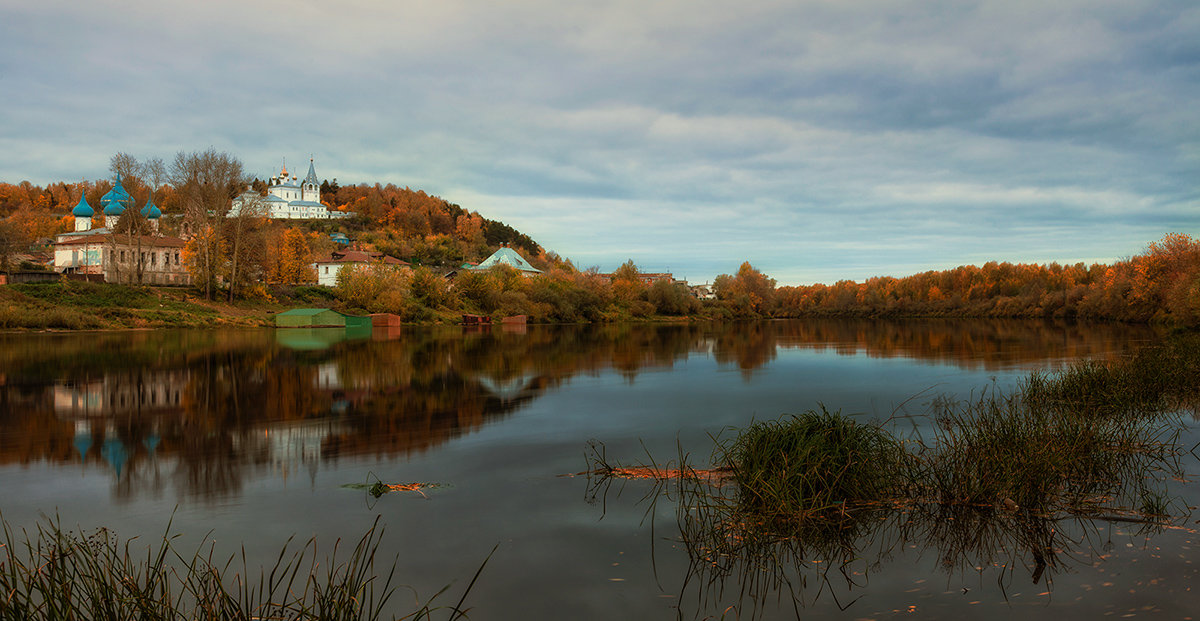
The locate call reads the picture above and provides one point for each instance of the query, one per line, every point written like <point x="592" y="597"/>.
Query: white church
<point x="287" y="198"/>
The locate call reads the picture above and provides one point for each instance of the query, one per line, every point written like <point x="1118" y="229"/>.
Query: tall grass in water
<point x="1012" y="452"/>
<point x="812" y="462"/>
<point x="1068" y="441"/>
<point x="1154" y="380"/>
<point x="59" y="574"/>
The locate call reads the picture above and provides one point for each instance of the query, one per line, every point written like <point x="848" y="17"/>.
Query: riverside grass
<point x="57" y="574"/>
<point x="1085" y="440"/>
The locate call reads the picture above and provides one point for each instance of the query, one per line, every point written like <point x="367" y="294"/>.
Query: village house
<point x="649" y="278"/>
<point x="506" y="256"/>
<point x="148" y="258"/>
<point x="327" y="268"/>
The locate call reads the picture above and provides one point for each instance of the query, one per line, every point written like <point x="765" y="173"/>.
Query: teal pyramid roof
<point x="507" y="256"/>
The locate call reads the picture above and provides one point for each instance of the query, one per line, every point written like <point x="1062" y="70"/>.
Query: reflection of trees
<point x="749" y="345"/>
<point x="202" y="408"/>
<point x="970" y="343"/>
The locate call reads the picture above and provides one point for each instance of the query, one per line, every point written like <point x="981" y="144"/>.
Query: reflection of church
<point x="95" y="406"/>
<point x="144" y="392"/>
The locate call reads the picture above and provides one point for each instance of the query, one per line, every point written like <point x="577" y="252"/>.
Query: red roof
<point x="360" y="256"/>
<point x="155" y="241"/>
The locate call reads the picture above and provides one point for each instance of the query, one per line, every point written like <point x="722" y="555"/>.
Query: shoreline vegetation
<point x="55" y="573"/>
<point x="1067" y="441"/>
<point x="1160" y="285"/>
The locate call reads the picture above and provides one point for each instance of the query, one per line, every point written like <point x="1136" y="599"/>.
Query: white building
<point x="287" y="198"/>
<point x="327" y="268"/>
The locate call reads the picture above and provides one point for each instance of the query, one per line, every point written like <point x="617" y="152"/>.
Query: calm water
<point x="252" y="436"/>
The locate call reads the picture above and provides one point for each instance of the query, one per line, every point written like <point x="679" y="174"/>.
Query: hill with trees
<point x="265" y="264"/>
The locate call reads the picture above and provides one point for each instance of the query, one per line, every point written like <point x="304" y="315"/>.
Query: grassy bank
<point x="68" y="305"/>
<point x="59" y="574"/>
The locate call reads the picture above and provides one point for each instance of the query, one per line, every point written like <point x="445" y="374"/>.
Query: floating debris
<point x="714" y="476"/>
<point x="379" y="488"/>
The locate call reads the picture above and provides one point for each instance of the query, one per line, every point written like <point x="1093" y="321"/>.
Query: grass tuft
<point x="812" y="462"/>
<point x="59" y="574"/>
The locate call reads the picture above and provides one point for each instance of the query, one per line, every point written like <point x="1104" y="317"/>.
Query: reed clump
<point x="55" y="573"/>
<point x="811" y="463"/>
<point x="1008" y="452"/>
<point x="1153" y="380"/>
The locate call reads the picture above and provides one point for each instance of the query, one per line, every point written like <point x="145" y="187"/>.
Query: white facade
<point x="287" y="198"/>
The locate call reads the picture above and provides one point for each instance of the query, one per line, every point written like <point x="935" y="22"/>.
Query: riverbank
<point x="71" y="305"/>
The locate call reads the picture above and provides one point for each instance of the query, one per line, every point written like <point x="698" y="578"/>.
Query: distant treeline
<point x="1162" y="284"/>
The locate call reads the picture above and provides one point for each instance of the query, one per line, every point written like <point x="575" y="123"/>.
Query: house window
<point x="153" y="255"/>
<point x="326" y="269"/>
<point x="176" y="257"/>
<point x="122" y="256"/>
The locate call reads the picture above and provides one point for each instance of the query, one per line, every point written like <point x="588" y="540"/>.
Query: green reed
<point x="1154" y="380"/>
<point x="54" y="573"/>
<point x="812" y="462"/>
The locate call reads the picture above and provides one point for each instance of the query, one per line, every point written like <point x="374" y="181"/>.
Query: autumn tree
<point x="131" y="229"/>
<point x="295" y="257"/>
<point x="670" y="298"/>
<point x="10" y="242"/>
<point x="243" y="235"/>
<point x="627" y="283"/>
<point x="479" y="288"/>
<point x="199" y="255"/>
<point x="128" y="169"/>
<point x="206" y="182"/>
<point x="748" y="292"/>
<point x="374" y="288"/>
<point x="429" y="288"/>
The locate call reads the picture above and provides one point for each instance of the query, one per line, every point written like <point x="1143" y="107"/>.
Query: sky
<point x="818" y="140"/>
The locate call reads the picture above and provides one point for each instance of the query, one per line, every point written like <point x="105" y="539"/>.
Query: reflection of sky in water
<point x="561" y="557"/>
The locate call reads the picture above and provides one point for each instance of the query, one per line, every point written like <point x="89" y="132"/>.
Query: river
<point x="247" y="437"/>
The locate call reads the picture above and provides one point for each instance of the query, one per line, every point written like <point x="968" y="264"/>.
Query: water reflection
<point x="201" y="411"/>
<point x="747" y="572"/>
<point x="742" y="563"/>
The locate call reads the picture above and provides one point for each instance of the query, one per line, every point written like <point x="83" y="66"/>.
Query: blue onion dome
<point x="116" y="200"/>
<point x="83" y="209"/>
<point x="151" y="211"/>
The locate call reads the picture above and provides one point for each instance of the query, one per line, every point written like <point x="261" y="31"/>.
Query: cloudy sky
<point x="819" y="140"/>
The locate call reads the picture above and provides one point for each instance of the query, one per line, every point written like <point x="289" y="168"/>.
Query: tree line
<point x="1161" y="284"/>
<point x="561" y="293"/>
